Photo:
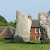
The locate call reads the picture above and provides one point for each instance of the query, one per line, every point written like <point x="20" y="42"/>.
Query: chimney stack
<point x="30" y="16"/>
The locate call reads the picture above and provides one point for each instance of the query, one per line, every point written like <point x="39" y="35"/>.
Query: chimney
<point x="30" y="16"/>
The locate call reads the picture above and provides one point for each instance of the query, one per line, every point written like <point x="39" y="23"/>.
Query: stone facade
<point x="23" y="27"/>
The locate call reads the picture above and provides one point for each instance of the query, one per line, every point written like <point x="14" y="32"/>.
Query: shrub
<point x="2" y="38"/>
<point x="46" y="41"/>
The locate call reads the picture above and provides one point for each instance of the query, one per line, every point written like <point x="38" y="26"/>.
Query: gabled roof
<point x="35" y="23"/>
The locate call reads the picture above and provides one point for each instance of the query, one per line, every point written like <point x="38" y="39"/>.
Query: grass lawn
<point x="23" y="46"/>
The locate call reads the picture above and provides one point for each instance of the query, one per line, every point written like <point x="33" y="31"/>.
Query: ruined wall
<point x="23" y="27"/>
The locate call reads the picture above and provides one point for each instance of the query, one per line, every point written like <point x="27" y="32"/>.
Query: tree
<point x="12" y="23"/>
<point x="3" y="21"/>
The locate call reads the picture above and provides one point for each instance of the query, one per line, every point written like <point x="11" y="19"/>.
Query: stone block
<point x="23" y="27"/>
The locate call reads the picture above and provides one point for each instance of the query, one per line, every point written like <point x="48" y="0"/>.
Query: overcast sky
<point x="8" y="8"/>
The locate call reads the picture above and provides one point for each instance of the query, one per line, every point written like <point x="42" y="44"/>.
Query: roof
<point x="35" y="23"/>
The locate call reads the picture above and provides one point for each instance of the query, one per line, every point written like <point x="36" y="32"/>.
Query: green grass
<point x="23" y="46"/>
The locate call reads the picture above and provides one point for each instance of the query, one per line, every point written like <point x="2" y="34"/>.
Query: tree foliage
<point x="12" y="23"/>
<point x="3" y="21"/>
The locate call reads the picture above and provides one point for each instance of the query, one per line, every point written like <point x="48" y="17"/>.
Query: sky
<point x="8" y="8"/>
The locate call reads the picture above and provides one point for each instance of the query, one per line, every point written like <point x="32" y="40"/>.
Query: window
<point x="39" y="30"/>
<point x="36" y="30"/>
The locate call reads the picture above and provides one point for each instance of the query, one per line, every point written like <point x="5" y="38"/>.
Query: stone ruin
<point x="44" y="21"/>
<point x="23" y="26"/>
